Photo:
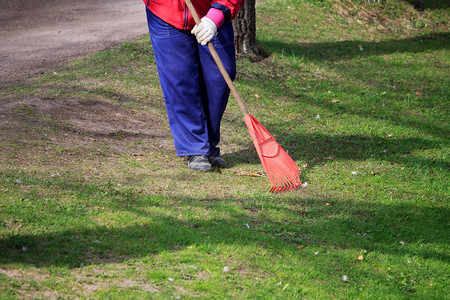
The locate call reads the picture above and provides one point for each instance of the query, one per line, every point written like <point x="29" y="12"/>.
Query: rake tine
<point x="285" y="184"/>
<point x="278" y="179"/>
<point x="287" y="178"/>
<point x="283" y="180"/>
<point x="288" y="181"/>
<point x="288" y="186"/>
<point x="274" y="180"/>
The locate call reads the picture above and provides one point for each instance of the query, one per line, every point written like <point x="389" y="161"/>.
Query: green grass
<point x="94" y="203"/>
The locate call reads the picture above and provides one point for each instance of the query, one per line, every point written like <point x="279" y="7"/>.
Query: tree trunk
<point x="244" y="26"/>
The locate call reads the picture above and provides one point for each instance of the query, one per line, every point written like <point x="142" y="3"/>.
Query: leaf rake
<point x="281" y="170"/>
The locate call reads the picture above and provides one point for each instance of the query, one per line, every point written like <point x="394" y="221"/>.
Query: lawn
<point x="95" y="204"/>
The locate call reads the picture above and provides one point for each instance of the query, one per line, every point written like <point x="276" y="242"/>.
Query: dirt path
<point x="38" y="35"/>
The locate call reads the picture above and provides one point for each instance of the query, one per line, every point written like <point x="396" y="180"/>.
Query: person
<point x="195" y="93"/>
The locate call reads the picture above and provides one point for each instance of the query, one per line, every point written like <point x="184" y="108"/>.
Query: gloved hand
<point x="205" y="31"/>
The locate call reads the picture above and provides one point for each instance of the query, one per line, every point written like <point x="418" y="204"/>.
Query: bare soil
<point x="41" y="36"/>
<point x="38" y="36"/>
<point x="92" y="117"/>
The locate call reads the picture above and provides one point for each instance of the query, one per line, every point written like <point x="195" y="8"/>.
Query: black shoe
<point x="217" y="161"/>
<point x="199" y="163"/>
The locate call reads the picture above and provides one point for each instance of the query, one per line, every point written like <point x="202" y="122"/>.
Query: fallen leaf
<point x="218" y="171"/>
<point x="389" y="135"/>
<point x="312" y="65"/>
<point x="139" y="159"/>
<point x="305" y="165"/>
<point x="301" y="246"/>
<point x="335" y="100"/>
<point x="419" y="94"/>
<point x="360" y="257"/>
<point x="256" y="96"/>
<point x="327" y="204"/>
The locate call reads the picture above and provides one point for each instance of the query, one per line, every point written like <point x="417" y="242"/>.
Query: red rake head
<point x="282" y="171"/>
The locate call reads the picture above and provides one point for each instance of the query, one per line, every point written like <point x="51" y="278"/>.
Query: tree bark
<point x="244" y="26"/>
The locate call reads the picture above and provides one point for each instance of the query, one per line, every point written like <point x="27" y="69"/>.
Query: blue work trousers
<point x="195" y="92"/>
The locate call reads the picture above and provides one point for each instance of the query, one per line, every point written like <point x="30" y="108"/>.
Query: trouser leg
<point x="217" y="91"/>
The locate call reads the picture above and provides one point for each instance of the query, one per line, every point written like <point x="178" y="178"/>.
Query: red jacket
<point x="176" y="13"/>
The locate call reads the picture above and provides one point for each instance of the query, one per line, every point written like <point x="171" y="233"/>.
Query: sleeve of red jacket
<point x="230" y="8"/>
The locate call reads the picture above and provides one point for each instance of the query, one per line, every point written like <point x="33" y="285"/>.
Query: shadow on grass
<point x="371" y="106"/>
<point x="344" y="50"/>
<point x="428" y="4"/>
<point x="346" y="224"/>
<point x="320" y="148"/>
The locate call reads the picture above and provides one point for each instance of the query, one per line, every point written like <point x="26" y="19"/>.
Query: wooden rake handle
<point x="218" y="61"/>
